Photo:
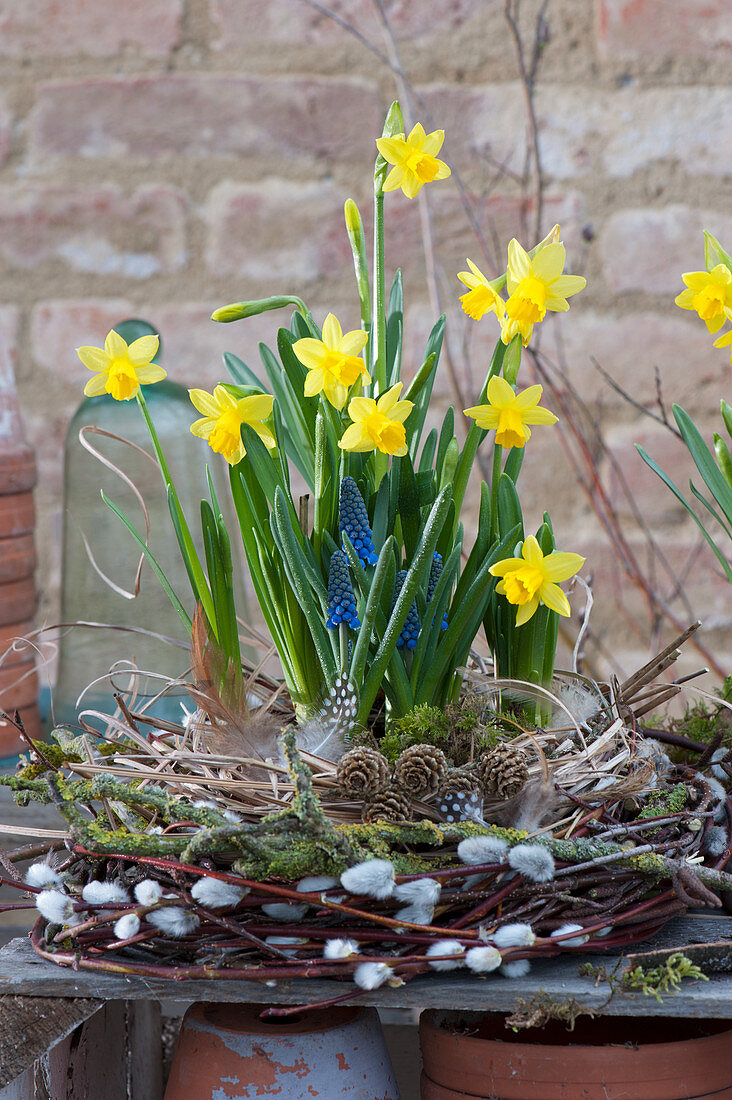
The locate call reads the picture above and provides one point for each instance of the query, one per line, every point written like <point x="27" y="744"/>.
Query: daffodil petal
<point x="529" y="397"/>
<point x="141" y="351"/>
<point x="552" y="597"/>
<point x="485" y="416"/>
<point x="148" y="373"/>
<point x="538" y="415"/>
<point x="417" y="136"/>
<point x="361" y="407"/>
<point x="401" y="410"/>
<point x="203" y="427"/>
<point x="204" y="402"/>
<point x="332" y="332"/>
<point x="224" y="399"/>
<point x="411" y="185"/>
<point x="499" y="392"/>
<point x="95" y="359"/>
<point x="433" y="142"/>
<point x="96" y="386"/>
<point x="531" y="551"/>
<point x="549" y="261"/>
<point x="506" y="565"/>
<point x="310" y="352"/>
<point x="388" y="400"/>
<point x="313" y="382"/>
<point x="395" y="179"/>
<point x="115" y="346"/>
<point x="566" y="285"/>
<point x="353" y="343"/>
<point x="526" y="610"/>
<point x="355" y="439"/>
<point x="390" y="148"/>
<point x="264" y="434"/>
<point x="519" y="264"/>
<point x="443" y="170"/>
<point x="559" y="566"/>
<point x="256" y="407"/>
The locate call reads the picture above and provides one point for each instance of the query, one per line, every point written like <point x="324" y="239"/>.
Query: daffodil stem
<point x="185" y="540"/>
<point x="381" y="465"/>
<point x="495" y="478"/>
<point x="378" y="332"/>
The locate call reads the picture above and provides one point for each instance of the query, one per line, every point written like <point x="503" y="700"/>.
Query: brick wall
<point x="162" y="157"/>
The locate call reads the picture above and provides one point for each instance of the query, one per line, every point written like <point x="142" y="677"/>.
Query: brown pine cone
<point x="420" y="770"/>
<point x="503" y="771"/>
<point x="460" y="780"/>
<point x="362" y="773"/>
<point x="388" y="805"/>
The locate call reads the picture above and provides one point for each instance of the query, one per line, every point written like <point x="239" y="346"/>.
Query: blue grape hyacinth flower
<point x="410" y="630"/>
<point x="435" y="574"/>
<point x="341" y="600"/>
<point x="354" y="522"/>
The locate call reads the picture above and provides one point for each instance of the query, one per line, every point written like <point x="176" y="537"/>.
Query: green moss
<point x="666" y="978"/>
<point x="458" y="729"/>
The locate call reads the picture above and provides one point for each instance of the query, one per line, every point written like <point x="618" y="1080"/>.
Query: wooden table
<point x="102" y="1031"/>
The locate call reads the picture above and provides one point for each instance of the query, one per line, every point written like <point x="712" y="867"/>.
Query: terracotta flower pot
<point x="226" y="1050"/>
<point x="602" y="1059"/>
<point x="17" y="600"/>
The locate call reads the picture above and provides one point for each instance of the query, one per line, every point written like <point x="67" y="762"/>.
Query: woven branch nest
<point x="183" y="861"/>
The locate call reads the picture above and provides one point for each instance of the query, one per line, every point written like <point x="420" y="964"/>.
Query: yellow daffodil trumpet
<point x="333" y="363"/>
<point x="510" y="413"/>
<point x="223" y="416"/>
<point x="378" y="425"/>
<point x="532" y="579"/>
<point x="120" y="369"/>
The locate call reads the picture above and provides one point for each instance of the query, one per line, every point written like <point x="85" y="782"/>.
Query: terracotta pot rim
<point x="202" y="1014"/>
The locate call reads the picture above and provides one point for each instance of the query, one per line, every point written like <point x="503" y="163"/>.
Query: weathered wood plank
<point x="144" y="1050"/>
<point x="29" y="1026"/>
<point x="22" y="972"/>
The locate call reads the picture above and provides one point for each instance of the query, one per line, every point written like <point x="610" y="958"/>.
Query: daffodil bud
<point x="714" y="254"/>
<point x="239" y="310"/>
<point x="727" y="416"/>
<point x="393" y="124"/>
<point x="354" y="228"/>
<point x="724" y="460"/>
<point x="512" y="360"/>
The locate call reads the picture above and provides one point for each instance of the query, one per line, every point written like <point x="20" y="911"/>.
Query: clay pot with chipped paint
<point x="227" y="1049"/>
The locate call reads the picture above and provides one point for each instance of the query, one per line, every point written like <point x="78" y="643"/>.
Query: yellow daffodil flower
<point x="482" y="296"/>
<point x="414" y="159"/>
<point x="510" y="413"/>
<point x="708" y="293"/>
<point x="333" y="363"/>
<point x="535" y="286"/>
<point x="378" y="425"/>
<point x="531" y="579"/>
<point x="121" y="369"/>
<point x="223" y="416"/>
